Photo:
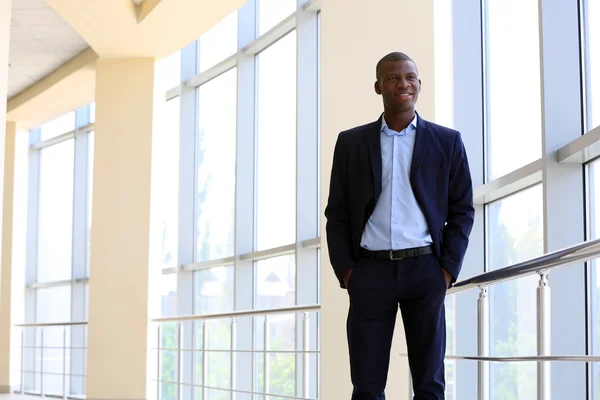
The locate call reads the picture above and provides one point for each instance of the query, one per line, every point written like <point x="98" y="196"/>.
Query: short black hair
<point x="395" y="56"/>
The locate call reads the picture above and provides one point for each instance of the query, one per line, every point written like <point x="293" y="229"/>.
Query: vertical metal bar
<point x="179" y="359"/>
<point x="204" y="368"/>
<point x="42" y="365"/>
<point x="233" y="357"/>
<point x="306" y="348"/>
<point x="543" y="337"/>
<point x="23" y="361"/>
<point x="158" y="362"/>
<point x="266" y="357"/>
<point x="483" y="345"/>
<point x="193" y="359"/>
<point x="65" y="363"/>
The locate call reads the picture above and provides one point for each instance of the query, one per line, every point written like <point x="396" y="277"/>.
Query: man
<point x="399" y="215"/>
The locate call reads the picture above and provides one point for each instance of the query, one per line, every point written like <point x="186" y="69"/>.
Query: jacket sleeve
<point x="337" y="212"/>
<point x="461" y="212"/>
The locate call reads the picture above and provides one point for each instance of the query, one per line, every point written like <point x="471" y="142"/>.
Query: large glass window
<point x="515" y="234"/>
<point x="594" y="283"/>
<point x="513" y="97"/>
<point x="246" y="185"/>
<point x="592" y="51"/>
<point x="63" y="124"/>
<point x="216" y="167"/>
<point x="277" y="144"/>
<point x="272" y="12"/>
<point x="276" y="282"/>
<point x="55" y="223"/>
<point x="218" y="43"/>
<point x="60" y="173"/>
<point x="166" y="180"/>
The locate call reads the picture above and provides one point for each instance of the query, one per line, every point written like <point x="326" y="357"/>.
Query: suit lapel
<point x="421" y="139"/>
<point x="374" y="141"/>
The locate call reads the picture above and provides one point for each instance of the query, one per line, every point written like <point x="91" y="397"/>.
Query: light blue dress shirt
<point x="397" y="221"/>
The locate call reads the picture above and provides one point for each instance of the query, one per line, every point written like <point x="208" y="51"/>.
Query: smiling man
<point x="399" y="216"/>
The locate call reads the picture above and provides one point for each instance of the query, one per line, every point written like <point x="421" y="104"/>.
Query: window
<point x="594" y="282"/>
<point x="60" y="174"/>
<point x="166" y="180"/>
<point x="238" y="145"/>
<point x="63" y="124"/>
<point x="272" y="12"/>
<point x="215" y="202"/>
<point x="277" y="144"/>
<point x="214" y="290"/>
<point x="169" y="71"/>
<point x="276" y="282"/>
<point x="513" y="98"/>
<point x="218" y="43"/>
<point x="592" y="52"/>
<point x="515" y="234"/>
<point x="55" y="218"/>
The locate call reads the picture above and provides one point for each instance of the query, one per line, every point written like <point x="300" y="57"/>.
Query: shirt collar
<point x="385" y="129"/>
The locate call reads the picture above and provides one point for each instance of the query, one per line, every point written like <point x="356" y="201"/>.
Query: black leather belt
<point x="395" y="255"/>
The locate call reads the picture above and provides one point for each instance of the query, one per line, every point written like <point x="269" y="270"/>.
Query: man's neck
<point x="399" y="121"/>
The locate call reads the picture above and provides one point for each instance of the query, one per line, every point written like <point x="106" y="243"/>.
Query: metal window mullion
<point x="31" y="251"/>
<point x="244" y="223"/>
<point x="186" y="253"/>
<point x="307" y="193"/>
<point x="81" y="165"/>
<point x="562" y="122"/>
<point x="469" y="61"/>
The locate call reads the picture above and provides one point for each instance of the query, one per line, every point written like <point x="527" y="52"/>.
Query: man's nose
<point x="402" y="83"/>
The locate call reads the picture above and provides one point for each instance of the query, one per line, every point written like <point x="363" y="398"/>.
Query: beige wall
<point x="5" y="6"/>
<point x="118" y="314"/>
<point x="355" y="35"/>
<point x="6" y="271"/>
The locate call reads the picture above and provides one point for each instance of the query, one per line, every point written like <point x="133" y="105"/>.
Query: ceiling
<point x="40" y="42"/>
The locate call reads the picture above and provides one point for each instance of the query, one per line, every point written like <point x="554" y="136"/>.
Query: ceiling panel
<point x="40" y="42"/>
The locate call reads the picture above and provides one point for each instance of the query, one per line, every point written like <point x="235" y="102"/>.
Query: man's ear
<point x="420" y="84"/>
<point x="377" y="88"/>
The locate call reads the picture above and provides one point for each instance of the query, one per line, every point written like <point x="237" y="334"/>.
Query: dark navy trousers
<point x="376" y="289"/>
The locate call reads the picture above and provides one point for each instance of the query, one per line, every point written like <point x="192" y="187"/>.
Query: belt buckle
<point x="392" y="258"/>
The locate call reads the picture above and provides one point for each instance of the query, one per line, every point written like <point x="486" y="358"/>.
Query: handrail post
<point x="306" y="348"/>
<point x="483" y="344"/>
<point x="266" y="379"/>
<point x="179" y="360"/>
<point x="204" y="363"/>
<point x="543" y="337"/>
<point x="23" y="361"/>
<point x="158" y="342"/>
<point x="65" y="363"/>
<point x="233" y="357"/>
<point x="42" y="365"/>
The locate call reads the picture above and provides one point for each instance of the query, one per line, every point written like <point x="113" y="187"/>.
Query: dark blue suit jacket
<point x="440" y="179"/>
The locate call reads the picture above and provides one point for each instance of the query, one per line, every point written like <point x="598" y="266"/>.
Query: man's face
<point x="399" y="85"/>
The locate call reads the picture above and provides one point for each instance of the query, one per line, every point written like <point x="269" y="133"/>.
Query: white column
<point x="351" y="48"/>
<point x="5" y="280"/>
<point x="119" y="271"/>
<point x="8" y="337"/>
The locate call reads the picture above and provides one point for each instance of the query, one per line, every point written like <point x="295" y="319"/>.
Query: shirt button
<point x="396" y="221"/>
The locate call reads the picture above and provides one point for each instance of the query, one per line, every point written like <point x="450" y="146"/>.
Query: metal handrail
<point x="526" y="358"/>
<point x="239" y="314"/>
<point x="580" y="252"/>
<point x="50" y="324"/>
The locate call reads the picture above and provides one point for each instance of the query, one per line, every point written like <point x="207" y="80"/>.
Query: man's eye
<point x="392" y="78"/>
